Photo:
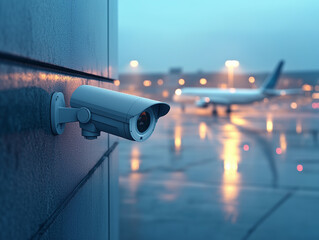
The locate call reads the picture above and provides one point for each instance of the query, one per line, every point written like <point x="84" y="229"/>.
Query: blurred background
<point x="248" y="173"/>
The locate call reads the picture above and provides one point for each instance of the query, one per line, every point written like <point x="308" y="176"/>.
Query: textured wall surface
<point x="67" y="33"/>
<point x="55" y="187"/>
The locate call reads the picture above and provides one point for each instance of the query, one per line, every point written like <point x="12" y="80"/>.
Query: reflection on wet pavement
<point x="231" y="177"/>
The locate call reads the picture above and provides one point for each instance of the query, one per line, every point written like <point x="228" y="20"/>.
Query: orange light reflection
<point x="178" y="138"/>
<point x="202" y="130"/>
<point x="283" y="142"/>
<point x="269" y="124"/>
<point x="298" y="127"/>
<point x="231" y="177"/>
<point x="135" y="159"/>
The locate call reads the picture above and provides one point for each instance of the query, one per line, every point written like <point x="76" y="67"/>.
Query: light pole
<point x="231" y="64"/>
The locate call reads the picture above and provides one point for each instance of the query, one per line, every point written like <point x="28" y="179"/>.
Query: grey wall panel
<point x="87" y="214"/>
<point x="113" y="49"/>
<point x="72" y="34"/>
<point x="113" y="40"/>
<point x="113" y="163"/>
<point x="38" y="170"/>
<point x="114" y="195"/>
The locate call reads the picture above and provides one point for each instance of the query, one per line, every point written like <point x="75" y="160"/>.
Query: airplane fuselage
<point x="220" y="96"/>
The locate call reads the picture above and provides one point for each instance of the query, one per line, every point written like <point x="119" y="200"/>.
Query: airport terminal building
<point x="163" y="85"/>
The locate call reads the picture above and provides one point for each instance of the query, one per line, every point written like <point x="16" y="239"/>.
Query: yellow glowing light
<point x="231" y="153"/>
<point x="202" y="130"/>
<point x="165" y="94"/>
<point x="251" y="79"/>
<point x="299" y="127"/>
<point x="235" y="119"/>
<point x="147" y="83"/>
<point x="178" y="143"/>
<point x="269" y="125"/>
<point x="223" y="85"/>
<point x="134" y="63"/>
<point x="117" y="82"/>
<point x="283" y="142"/>
<point x="293" y="105"/>
<point x="135" y="161"/>
<point x="135" y="164"/>
<point x="178" y="91"/>
<point x="315" y="95"/>
<point x="203" y="81"/>
<point x="232" y="63"/>
<point x="307" y="87"/>
<point x="178" y="138"/>
<point x="181" y="81"/>
<point x="231" y="177"/>
<point x="230" y="192"/>
<point x="230" y="166"/>
<point x="160" y="82"/>
<point x="42" y="76"/>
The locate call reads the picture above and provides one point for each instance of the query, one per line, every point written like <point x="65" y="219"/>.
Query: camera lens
<point x="143" y="122"/>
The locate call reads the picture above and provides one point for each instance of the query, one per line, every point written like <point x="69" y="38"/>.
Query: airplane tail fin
<point x="272" y="80"/>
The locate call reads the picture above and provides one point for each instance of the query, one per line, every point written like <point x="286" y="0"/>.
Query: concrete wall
<point x="55" y="187"/>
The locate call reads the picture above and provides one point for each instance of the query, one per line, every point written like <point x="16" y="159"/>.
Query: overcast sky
<point x="202" y="34"/>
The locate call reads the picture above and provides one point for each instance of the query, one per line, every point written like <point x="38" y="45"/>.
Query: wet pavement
<point x="251" y="175"/>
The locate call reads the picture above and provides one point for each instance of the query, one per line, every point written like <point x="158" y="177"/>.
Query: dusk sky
<point x="201" y="35"/>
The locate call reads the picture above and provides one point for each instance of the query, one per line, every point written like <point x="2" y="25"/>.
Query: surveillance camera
<point x="99" y="109"/>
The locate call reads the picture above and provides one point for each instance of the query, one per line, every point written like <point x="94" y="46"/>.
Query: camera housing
<point x="98" y="109"/>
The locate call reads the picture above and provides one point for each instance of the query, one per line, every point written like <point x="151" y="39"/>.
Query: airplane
<point x="203" y="97"/>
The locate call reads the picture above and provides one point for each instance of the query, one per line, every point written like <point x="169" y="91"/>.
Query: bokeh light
<point x="178" y="91"/>
<point x="299" y="168"/>
<point x="278" y="150"/>
<point x="203" y="81"/>
<point x="246" y="147"/>
<point x="181" y="81"/>
<point x="251" y="79"/>
<point x="147" y="83"/>
<point x="134" y="63"/>
<point x="117" y="82"/>
<point x="293" y="105"/>
<point x="160" y="82"/>
<point x="165" y="94"/>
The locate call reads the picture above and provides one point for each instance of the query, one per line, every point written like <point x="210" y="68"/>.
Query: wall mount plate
<point x="57" y="101"/>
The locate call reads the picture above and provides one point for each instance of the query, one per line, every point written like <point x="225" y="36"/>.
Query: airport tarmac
<point x="251" y="175"/>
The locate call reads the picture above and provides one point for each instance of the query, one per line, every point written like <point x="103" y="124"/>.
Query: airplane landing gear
<point x="183" y="107"/>
<point x="214" y="111"/>
<point x="228" y="110"/>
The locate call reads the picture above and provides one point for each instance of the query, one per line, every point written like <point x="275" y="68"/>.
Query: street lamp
<point x="134" y="63"/>
<point x="231" y="64"/>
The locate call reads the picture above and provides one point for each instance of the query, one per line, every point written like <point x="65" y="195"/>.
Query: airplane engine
<point x="203" y="102"/>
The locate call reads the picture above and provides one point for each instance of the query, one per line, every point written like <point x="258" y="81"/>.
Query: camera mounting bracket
<point x="60" y="115"/>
